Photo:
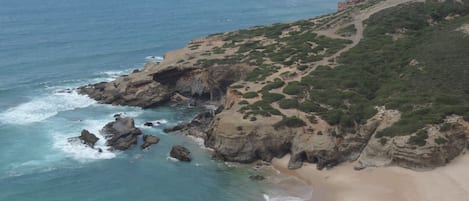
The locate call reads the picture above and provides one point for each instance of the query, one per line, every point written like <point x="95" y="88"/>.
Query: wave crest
<point x="42" y="108"/>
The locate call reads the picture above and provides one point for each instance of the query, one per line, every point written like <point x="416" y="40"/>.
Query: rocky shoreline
<point x="204" y="73"/>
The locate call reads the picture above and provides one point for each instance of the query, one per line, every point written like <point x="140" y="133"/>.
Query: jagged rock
<point x="181" y="153"/>
<point x="157" y="84"/>
<point x="150" y="124"/>
<point x="179" y="98"/>
<point x="257" y="177"/>
<point x="219" y="109"/>
<point x="121" y="134"/>
<point x="196" y="127"/>
<point x="88" y="138"/>
<point x="148" y="140"/>
<point x="175" y="128"/>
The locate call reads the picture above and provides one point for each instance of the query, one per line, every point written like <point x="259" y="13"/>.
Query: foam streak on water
<point x="42" y="108"/>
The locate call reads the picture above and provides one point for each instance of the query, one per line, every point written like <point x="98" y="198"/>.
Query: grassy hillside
<point x="411" y="59"/>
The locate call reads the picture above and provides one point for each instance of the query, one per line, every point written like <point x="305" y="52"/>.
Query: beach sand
<point x="343" y="183"/>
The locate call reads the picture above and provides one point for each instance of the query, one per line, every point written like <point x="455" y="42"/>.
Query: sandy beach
<point x="343" y="183"/>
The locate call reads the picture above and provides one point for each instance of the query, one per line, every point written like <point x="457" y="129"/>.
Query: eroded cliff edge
<point x="384" y="83"/>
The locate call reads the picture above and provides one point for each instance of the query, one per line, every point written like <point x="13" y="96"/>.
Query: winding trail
<point x="358" y="18"/>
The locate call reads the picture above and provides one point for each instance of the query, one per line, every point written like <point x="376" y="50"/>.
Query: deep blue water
<point x="51" y="45"/>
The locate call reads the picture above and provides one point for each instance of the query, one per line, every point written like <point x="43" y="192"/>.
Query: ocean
<point x="50" y="47"/>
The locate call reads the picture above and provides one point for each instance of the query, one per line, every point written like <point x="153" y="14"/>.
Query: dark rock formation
<point x="148" y="140"/>
<point x="196" y="127"/>
<point x="88" y="138"/>
<point x="257" y="177"/>
<point x="121" y="134"/>
<point x="181" y="153"/>
<point x="149" y="124"/>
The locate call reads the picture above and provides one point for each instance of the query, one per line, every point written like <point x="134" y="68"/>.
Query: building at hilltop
<point x="348" y="4"/>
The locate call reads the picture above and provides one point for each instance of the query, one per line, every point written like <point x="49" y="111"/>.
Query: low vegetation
<point x="292" y="122"/>
<point x="347" y="31"/>
<point x="378" y="70"/>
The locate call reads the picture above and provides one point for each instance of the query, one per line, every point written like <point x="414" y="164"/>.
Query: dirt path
<point x="358" y="18"/>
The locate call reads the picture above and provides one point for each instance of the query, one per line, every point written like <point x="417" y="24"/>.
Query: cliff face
<point x="178" y="78"/>
<point x="445" y="142"/>
<point x="365" y="84"/>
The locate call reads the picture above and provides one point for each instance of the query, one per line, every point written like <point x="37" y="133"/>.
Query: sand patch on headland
<point x="343" y="183"/>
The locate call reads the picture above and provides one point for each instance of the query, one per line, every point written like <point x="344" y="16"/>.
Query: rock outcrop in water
<point x="121" y="134"/>
<point x="88" y="138"/>
<point x="197" y="127"/>
<point x="149" y="140"/>
<point x="181" y="153"/>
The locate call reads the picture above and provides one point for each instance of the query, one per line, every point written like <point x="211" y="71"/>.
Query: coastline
<point x="343" y="183"/>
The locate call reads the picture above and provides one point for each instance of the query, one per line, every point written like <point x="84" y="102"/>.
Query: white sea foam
<point x="108" y="76"/>
<point x="161" y="121"/>
<point x="135" y="113"/>
<point x="79" y="151"/>
<point x="172" y="159"/>
<point x="43" y="108"/>
<point x="154" y="58"/>
<point x="281" y="198"/>
<point x="199" y="141"/>
<point x="156" y="123"/>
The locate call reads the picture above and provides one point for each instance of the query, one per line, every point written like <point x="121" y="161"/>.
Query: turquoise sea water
<point x="49" y="46"/>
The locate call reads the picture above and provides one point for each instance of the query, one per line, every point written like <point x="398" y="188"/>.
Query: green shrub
<point x="445" y="127"/>
<point x="332" y="117"/>
<point x="236" y="86"/>
<point x="312" y="119"/>
<point x="302" y="67"/>
<point x="292" y="122"/>
<point x="440" y="140"/>
<point x="260" y="73"/>
<point x="259" y="108"/>
<point x="243" y="102"/>
<point x="271" y="97"/>
<point x="288" y="103"/>
<point x="420" y="138"/>
<point x="274" y="85"/>
<point x="293" y="88"/>
<point x="250" y="94"/>
<point x="309" y="106"/>
<point x="347" y="31"/>
<point x="218" y="50"/>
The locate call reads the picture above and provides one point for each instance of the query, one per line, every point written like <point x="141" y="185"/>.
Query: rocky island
<point x="382" y="83"/>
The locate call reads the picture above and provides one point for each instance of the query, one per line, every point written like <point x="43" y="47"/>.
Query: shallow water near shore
<point x="48" y="48"/>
